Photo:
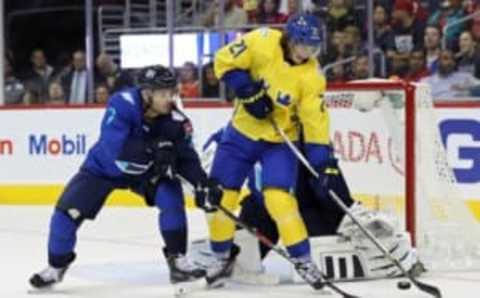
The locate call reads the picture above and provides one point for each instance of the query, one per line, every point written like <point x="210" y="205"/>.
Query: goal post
<point x="387" y="138"/>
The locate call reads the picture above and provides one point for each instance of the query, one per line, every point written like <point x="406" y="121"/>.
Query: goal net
<point x="387" y="138"/>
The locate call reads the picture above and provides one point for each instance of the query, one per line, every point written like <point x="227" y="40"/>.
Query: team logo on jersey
<point x="151" y="73"/>
<point x="111" y="113"/>
<point x="283" y="98"/>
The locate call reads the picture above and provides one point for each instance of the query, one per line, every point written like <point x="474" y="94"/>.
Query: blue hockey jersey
<point x="123" y="152"/>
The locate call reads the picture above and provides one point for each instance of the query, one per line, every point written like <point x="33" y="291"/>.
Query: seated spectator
<point x="101" y="94"/>
<point x="250" y="7"/>
<point x="14" y="91"/>
<point x="399" y="66"/>
<point x="188" y="81"/>
<point x="55" y="93"/>
<point x="39" y="77"/>
<point x="417" y="68"/>
<point x="337" y="48"/>
<point x="337" y="74"/>
<point x="293" y="7"/>
<point x="210" y="85"/>
<point x="468" y="56"/>
<point x="475" y="23"/>
<point x="268" y="13"/>
<point x="407" y="29"/>
<point x="450" y="12"/>
<point x="353" y="40"/>
<point x="340" y="15"/>
<point x="111" y="75"/>
<point x="360" y="69"/>
<point x="75" y="82"/>
<point x="233" y="15"/>
<point x="383" y="34"/>
<point x="432" y="40"/>
<point x="449" y="83"/>
<point x="63" y="65"/>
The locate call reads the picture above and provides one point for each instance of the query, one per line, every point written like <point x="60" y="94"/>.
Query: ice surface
<point x="119" y="255"/>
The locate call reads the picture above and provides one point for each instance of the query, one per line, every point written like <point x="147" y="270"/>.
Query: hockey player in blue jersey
<point x="144" y="144"/>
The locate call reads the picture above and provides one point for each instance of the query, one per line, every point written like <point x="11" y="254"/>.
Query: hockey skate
<point x="181" y="269"/>
<point x="309" y="272"/>
<point x="47" y="277"/>
<point x="222" y="269"/>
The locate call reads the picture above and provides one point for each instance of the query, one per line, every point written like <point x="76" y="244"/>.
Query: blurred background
<point x="80" y="51"/>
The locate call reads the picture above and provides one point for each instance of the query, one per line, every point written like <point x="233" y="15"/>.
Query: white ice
<point x="119" y="255"/>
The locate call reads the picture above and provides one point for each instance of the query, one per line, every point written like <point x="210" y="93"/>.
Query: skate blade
<point x="50" y="290"/>
<point x="183" y="288"/>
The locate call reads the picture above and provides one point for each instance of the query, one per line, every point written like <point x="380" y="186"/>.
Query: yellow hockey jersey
<point x="296" y="90"/>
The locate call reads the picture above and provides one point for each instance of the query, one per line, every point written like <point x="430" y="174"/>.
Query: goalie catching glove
<point x="380" y="224"/>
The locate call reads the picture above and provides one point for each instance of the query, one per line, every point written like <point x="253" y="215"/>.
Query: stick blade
<point x="434" y="291"/>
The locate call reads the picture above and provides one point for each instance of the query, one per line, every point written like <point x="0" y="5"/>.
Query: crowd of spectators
<point x="415" y="40"/>
<point x="43" y="83"/>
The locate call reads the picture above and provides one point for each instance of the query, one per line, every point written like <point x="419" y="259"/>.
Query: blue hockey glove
<point x="258" y="103"/>
<point x="208" y="194"/>
<point x="250" y="93"/>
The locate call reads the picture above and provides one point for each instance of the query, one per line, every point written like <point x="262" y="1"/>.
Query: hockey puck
<point x="404" y="285"/>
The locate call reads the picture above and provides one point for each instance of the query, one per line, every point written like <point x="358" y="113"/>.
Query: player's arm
<point x="115" y="128"/>
<point x="188" y="164"/>
<point x="232" y="65"/>
<point x="315" y="120"/>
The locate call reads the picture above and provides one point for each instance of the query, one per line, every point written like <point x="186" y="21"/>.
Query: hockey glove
<point x="164" y="158"/>
<point x="256" y="100"/>
<point x="208" y="194"/>
<point x="329" y="177"/>
<point x="380" y="224"/>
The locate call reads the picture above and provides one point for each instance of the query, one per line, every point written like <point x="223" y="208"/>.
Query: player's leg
<point x="256" y="215"/>
<point x="172" y="222"/>
<point x="233" y="160"/>
<point x="82" y="199"/>
<point x="279" y="176"/>
<point x="321" y="215"/>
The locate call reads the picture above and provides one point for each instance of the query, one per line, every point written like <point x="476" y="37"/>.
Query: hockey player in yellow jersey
<point x="274" y="74"/>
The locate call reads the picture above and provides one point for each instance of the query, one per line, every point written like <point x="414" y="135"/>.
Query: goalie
<point x="339" y="248"/>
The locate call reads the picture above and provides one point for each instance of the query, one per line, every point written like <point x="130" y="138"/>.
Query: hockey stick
<point x="265" y="240"/>
<point x="432" y="290"/>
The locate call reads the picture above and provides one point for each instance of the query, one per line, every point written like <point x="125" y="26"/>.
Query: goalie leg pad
<point x="342" y="260"/>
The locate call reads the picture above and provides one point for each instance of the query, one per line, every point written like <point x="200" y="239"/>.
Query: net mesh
<point x="447" y="234"/>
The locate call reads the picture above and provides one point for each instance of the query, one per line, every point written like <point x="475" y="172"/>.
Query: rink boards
<point x="41" y="148"/>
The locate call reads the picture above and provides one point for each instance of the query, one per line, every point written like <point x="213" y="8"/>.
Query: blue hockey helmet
<point x="305" y="29"/>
